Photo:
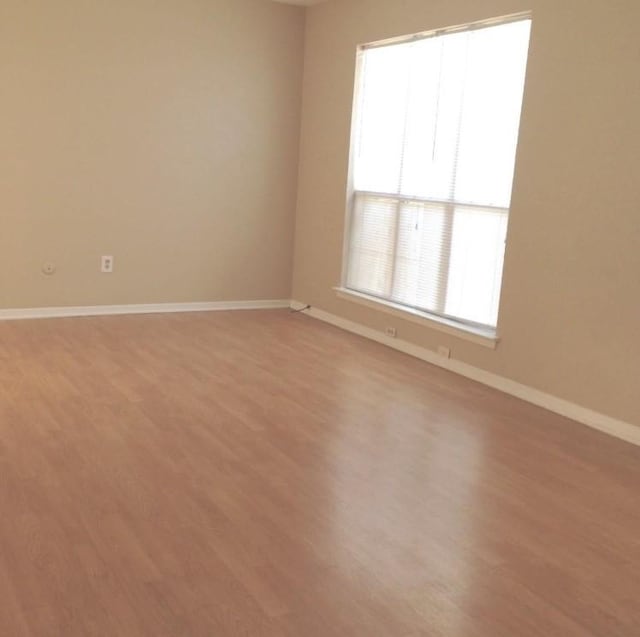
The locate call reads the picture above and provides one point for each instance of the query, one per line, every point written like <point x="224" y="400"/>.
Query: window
<point x="435" y="131"/>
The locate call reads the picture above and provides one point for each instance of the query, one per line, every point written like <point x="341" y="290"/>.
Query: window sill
<point x="485" y="337"/>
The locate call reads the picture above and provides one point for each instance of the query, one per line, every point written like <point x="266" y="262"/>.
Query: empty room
<point x="319" y="318"/>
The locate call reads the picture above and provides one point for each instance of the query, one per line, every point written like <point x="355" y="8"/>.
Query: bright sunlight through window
<point x="435" y="131"/>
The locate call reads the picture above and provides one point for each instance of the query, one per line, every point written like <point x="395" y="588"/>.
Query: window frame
<point x="481" y="334"/>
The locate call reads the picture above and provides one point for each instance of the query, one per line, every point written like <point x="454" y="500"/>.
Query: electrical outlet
<point x="106" y="264"/>
<point x="443" y="351"/>
<point x="390" y="331"/>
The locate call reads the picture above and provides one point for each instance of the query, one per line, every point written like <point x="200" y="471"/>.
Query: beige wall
<point x="163" y="132"/>
<point x="570" y="313"/>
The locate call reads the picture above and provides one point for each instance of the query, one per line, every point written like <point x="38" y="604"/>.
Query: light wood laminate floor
<point x="264" y="474"/>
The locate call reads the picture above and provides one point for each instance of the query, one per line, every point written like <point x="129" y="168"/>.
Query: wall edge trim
<point x="595" y="420"/>
<point x="14" y="314"/>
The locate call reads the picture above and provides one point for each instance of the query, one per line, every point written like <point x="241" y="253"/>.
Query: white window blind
<point x="435" y="131"/>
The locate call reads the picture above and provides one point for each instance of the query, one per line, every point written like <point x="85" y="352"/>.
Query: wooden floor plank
<point x="264" y="474"/>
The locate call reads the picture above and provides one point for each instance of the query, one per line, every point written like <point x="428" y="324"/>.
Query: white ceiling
<point x="302" y="3"/>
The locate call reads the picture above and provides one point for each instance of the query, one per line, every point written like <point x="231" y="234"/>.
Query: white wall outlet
<point x="48" y="268"/>
<point x="443" y="351"/>
<point x="390" y="331"/>
<point x="106" y="264"/>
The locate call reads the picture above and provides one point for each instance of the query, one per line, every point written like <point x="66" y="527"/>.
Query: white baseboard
<point x="148" y="308"/>
<point x="607" y="424"/>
